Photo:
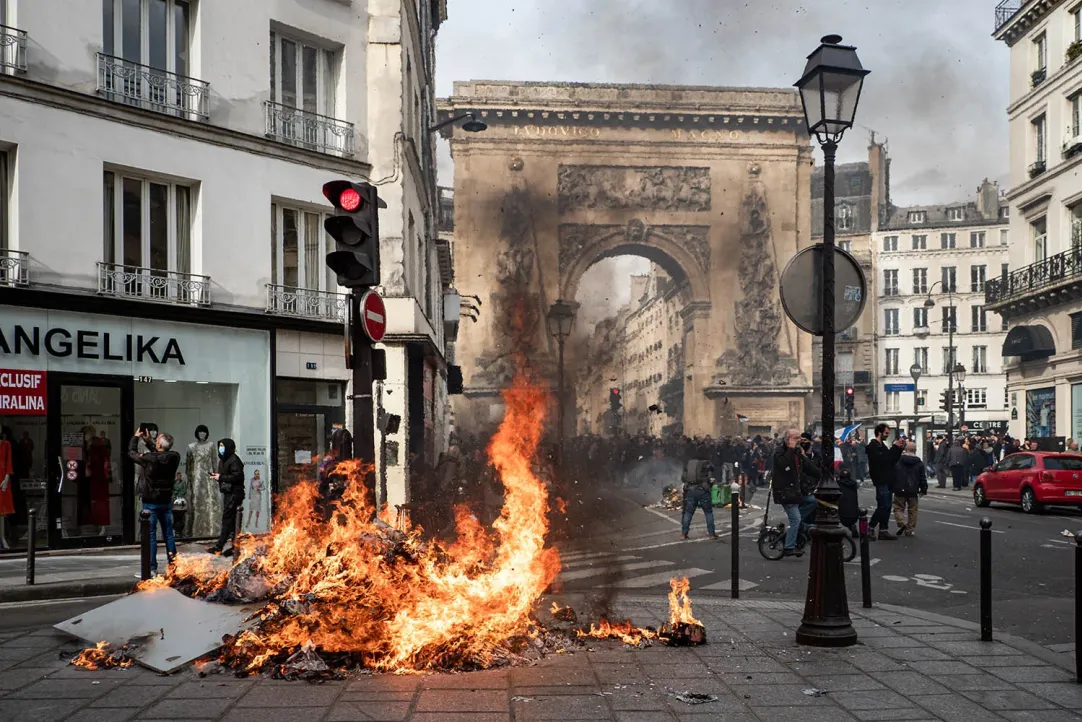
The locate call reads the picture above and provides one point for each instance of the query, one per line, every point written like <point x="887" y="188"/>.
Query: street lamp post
<point x="915" y="371"/>
<point x="829" y="91"/>
<point x="560" y="318"/>
<point x="959" y="373"/>
<point x="952" y="363"/>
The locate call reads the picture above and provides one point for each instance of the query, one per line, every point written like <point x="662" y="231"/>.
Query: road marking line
<point x="944" y="513"/>
<point x="727" y="585"/>
<point x="871" y="562"/>
<point x="590" y="562"/>
<point x="651" y="580"/>
<point x="663" y="515"/>
<point x="1062" y="541"/>
<point x="601" y="571"/>
<point x="583" y="556"/>
<point x="700" y="540"/>
<point x="967" y="526"/>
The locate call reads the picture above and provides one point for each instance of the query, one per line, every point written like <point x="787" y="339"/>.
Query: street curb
<point x="67" y="590"/>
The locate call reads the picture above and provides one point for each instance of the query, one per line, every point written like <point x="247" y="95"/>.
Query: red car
<point x="1032" y="479"/>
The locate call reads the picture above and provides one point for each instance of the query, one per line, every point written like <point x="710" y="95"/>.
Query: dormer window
<point x="843" y="217"/>
<point x="956" y="214"/>
<point x="918" y="216"/>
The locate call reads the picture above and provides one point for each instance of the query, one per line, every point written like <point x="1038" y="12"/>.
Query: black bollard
<point x="865" y="562"/>
<point x="1078" y="606"/>
<point x="237" y="531"/>
<point x="986" y="579"/>
<point x="31" y="543"/>
<point x="736" y="546"/>
<point x="144" y="544"/>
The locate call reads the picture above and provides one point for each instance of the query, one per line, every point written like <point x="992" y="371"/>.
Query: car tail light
<point x="1047" y="477"/>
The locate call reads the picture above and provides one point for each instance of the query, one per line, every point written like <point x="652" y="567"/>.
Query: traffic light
<point x="614" y="399"/>
<point x="945" y="400"/>
<point x="850" y="398"/>
<point x="355" y="230"/>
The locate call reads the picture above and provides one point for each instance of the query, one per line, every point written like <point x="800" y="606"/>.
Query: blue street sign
<point x="900" y="387"/>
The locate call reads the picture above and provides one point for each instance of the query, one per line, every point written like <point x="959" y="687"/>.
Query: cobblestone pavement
<point x="907" y="666"/>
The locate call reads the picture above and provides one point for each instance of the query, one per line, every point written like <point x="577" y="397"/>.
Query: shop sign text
<point x="93" y="345"/>
<point x="22" y="393"/>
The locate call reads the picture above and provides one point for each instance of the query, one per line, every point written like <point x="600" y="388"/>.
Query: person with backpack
<point x="698" y="479"/>
<point x="230" y="478"/>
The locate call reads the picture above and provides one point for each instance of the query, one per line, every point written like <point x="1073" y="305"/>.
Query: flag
<point x="845" y="432"/>
<point x="741" y="418"/>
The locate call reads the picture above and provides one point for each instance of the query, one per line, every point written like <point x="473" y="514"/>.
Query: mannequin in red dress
<point x="7" y="479"/>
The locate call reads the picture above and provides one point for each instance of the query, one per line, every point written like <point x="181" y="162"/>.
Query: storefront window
<point x="308" y="412"/>
<point x="1041" y="413"/>
<point x="1076" y="411"/>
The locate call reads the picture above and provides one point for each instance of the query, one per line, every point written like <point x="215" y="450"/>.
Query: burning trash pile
<point x="682" y="629"/>
<point x="672" y="497"/>
<point x="356" y="593"/>
<point x="103" y="656"/>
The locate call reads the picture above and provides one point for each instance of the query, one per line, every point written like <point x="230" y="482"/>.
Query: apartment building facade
<point x="162" y="246"/>
<point x="932" y="266"/>
<point x="1040" y="294"/>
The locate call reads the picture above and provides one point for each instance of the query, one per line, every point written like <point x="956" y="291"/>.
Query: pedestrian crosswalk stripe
<point x="579" y="556"/>
<point x="651" y="580"/>
<point x="599" y="571"/>
<point x="726" y="585"/>
<point x="599" y="560"/>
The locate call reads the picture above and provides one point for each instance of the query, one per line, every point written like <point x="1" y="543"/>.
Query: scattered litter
<point x="813" y="692"/>
<point x="520" y="698"/>
<point x="603" y="694"/>
<point x="305" y="663"/>
<point x="693" y="697"/>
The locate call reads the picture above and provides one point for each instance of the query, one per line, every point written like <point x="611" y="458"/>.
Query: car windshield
<point x="1063" y="463"/>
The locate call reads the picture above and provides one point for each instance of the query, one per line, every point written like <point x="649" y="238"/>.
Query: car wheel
<point x="979" y="498"/>
<point x="1029" y="502"/>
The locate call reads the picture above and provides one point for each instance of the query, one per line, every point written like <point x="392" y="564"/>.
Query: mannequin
<point x="204" y="499"/>
<point x="255" y="499"/>
<point x="7" y="481"/>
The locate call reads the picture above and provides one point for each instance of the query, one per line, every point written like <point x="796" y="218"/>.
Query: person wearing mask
<point x="156" y="487"/>
<point x="789" y="462"/>
<point x="958" y="460"/>
<point x="881" y="462"/>
<point x="910" y="483"/>
<point x="230" y="478"/>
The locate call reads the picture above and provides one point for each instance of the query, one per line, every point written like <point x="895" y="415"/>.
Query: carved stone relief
<point x="756" y="359"/>
<point x="577" y="238"/>
<point x="658" y="188"/>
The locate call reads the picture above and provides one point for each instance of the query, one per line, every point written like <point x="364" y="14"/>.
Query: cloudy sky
<point x="937" y="91"/>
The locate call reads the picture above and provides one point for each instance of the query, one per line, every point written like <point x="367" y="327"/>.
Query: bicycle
<point x="772" y="538"/>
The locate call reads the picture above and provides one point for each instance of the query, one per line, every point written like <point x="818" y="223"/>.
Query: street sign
<point x="373" y="316"/>
<point x="899" y="387"/>
<point x="802" y="297"/>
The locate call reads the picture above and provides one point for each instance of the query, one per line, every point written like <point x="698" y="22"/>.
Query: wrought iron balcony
<point x="150" y="284"/>
<point x="1037" y="168"/>
<point x="1054" y="280"/>
<point x="12" y="48"/>
<point x="305" y="303"/>
<point x="1006" y="10"/>
<point x="142" y="86"/>
<point x="14" y="267"/>
<point x="308" y="130"/>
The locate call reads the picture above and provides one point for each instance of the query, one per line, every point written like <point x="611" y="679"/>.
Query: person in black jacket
<point x="910" y="483"/>
<point x="790" y="461"/>
<point x="156" y="487"/>
<point x="230" y="478"/>
<point x="881" y="462"/>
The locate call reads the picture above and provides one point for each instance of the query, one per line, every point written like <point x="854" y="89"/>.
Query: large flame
<point x="354" y="586"/>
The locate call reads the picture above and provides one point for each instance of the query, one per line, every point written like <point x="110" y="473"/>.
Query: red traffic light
<point x="350" y="200"/>
<point x="614" y="392"/>
<point x="849" y="391"/>
<point x="344" y="195"/>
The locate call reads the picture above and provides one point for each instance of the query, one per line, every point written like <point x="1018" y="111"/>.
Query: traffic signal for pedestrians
<point x="614" y="399"/>
<point x="355" y="230"/>
<point x="945" y="400"/>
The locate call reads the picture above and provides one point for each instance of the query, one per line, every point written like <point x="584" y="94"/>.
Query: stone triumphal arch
<point x="712" y="184"/>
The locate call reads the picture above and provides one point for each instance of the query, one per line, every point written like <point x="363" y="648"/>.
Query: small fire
<point x="681" y="622"/>
<point x="680" y="603"/>
<point x="102" y="656"/>
<point x="625" y="631"/>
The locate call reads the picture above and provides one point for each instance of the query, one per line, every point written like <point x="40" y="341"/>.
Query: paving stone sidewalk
<point x="908" y="666"/>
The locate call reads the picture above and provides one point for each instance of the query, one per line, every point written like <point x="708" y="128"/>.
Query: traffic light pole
<point x="952" y="361"/>
<point x="364" y="413"/>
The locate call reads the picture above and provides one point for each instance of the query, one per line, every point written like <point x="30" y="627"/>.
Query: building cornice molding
<point x="1029" y="14"/>
<point x="31" y="91"/>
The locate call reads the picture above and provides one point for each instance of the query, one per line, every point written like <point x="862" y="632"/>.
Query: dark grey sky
<point x="937" y="91"/>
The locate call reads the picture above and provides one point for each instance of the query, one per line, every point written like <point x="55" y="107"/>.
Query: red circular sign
<point x="373" y="316"/>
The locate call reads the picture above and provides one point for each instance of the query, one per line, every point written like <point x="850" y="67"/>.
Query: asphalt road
<point x="937" y="570"/>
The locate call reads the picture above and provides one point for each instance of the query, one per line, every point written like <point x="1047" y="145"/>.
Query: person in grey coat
<point x="941" y="453"/>
<point x="958" y="459"/>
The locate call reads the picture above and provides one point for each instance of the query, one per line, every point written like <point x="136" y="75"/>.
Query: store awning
<point x="1029" y="343"/>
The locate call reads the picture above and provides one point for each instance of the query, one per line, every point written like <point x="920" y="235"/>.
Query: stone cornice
<point x="1029" y="14"/>
<point x="30" y="91"/>
<point x="716" y="391"/>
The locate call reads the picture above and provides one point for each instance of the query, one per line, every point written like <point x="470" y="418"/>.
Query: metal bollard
<point x="237" y="531"/>
<point x="144" y="544"/>
<point x="1078" y="606"/>
<point x="735" y="582"/>
<point x="31" y="544"/>
<point x="986" y="579"/>
<point x="865" y="562"/>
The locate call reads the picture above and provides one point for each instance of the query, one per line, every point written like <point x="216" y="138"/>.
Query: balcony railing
<point x="1005" y="11"/>
<point x="1072" y="142"/>
<point x="150" y="284"/>
<point x="14" y="267"/>
<point x="305" y="303"/>
<point x="1035" y="277"/>
<point x="12" y="48"/>
<point x="1037" y="168"/>
<point x="309" y="130"/>
<point x="159" y="90"/>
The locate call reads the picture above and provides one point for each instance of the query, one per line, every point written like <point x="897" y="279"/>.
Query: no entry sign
<point x="373" y="316"/>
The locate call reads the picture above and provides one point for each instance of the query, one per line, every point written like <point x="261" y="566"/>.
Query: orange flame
<point x="625" y="631"/>
<point x="680" y="603"/>
<point x="101" y="656"/>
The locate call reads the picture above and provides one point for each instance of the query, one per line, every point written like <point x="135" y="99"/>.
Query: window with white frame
<point x="299" y="246"/>
<point x="950" y="319"/>
<point x="302" y="75"/>
<point x="947" y="240"/>
<point x="5" y="191"/>
<point x="979" y="319"/>
<point x="920" y="358"/>
<point x="890" y="282"/>
<point x="1003" y="240"/>
<point x="1040" y="52"/>
<point x="1004" y="211"/>
<point x="892" y="356"/>
<point x="843" y="217"/>
<point x="894" y="401"/>
<point x="1075" y="128"/>
<point x="890" y="243"/>
<point x="148" y="32"/>
<point x="890" y="322"/>
<point x="917" y="216"/>
<point x="976" y="239"/>
<point x="948" y="278"/>
<point x="147" y="223"/>
<point x="920" y="242"/>
<point x="956" y="214"/>
<point x="977" y="398"/>
<point x="920" y="318"/>
<point x="1076" y="24"/>
<point x="976" y="278"/>
<point x="980" y="360"/>
<point x="1039" y="139"/>
<point x="1039" y="229"/>
<point x="949" y="359"/>
<point x="846" y="246"/>
<point x="920" y="280"/>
